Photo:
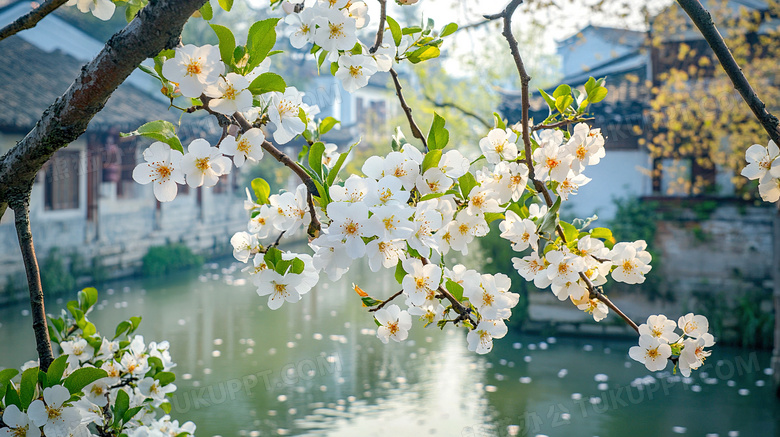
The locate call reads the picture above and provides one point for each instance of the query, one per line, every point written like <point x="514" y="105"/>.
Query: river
<point x="317" y="368"/>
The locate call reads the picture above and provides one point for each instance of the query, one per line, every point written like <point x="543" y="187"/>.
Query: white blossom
<point x="651" y="352"/>
<point x="163" y="167"/>
<point x="480" y="340"/>
<point x="204" y="164"/>
<point x="194" y="68"/>
<point x="248" y="146"/>
<point x="394" y="322"/>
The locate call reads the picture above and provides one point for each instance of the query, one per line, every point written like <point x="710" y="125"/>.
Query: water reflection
<point x="317" y="368"/>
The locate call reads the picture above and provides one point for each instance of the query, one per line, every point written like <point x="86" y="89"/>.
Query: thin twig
<point x="416" y="132"/>
<point x="506" y="15"/>
<point x="464" y="313"/>
<point x="457" y="108"/>
<point x="381" y="29"/>
<point x="385" y="302"/>
<point x="280" y="156"/>
<point x="30" y="19"/>
<point x="561" y="123"/>
<point x="21" y="207"/>
<point x="703" y="20"/>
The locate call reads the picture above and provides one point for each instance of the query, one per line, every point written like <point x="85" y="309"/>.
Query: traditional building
<point x="84" y="200"/>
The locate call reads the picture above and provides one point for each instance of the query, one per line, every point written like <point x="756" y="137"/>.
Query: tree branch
<point x="155" y="28"/>
<point x="561" y="123"/>
<point x="457" y="108"/>
<point x="280" y="156"/>
<point x="703" y="20"/>
<point x="381" y="29"/>
<point x="506" y="15"/>
<point x="30" y="19"/>
<point x="21" y="207"/>
<point x="416" y="132"/>
<point x="385" y="302"/>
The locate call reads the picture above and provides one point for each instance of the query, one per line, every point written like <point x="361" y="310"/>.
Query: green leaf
<point x="227" y="42"/>
<point x="400" y="273"/>
<point x="490" y="217"/>
<point x="590" y="84"/>
<point x="155" y="366"/>
<point x="411" y="30"/>
<point x="569" y="231"/>
<point x="121" y="328"/>
<point x="455" y="288"/>
<point x="12" y="396"/>
<point x="370" y="301"/>
<point x="334" y="67"/>
<point x="262" y="190"/>
<point x="260" y="40"/>
<point x="547" y="98"/>
<point x="334" y="172"/>
<point x="136" y="321"/>
<point x="431" y="159"/>
<point x="327" y="124"/>
<point x="267" y="82"/>
<point x="206" y="12"/>
<point x="597" y="94"/>
<point x="399" y="140"/>
<point x="467" y="182"/>
<point x="563" y="102"/>
<point x="226" y="4"/>
<point x="562" y="90"/>
<point x="129" y="414"/>
<point x="167" y="408"/>
<point x="297" y="266"/>
<point x="121" y="406"/>
<point x="272" y="257"/>
<point x="377" y="322"/>
<point x="315" y="157"/>
<point x="423" y="54"/>
<point x="80" y="378"/>
<point x="395" y="30"/>
<point x="499" y="121"/>
<point x="438" y="136"/>
<point x="132" y="8"/>
<point x="27" y="386"/>
<point x="56" y="369"/>
<point x="87" y="298"/>
<point x="449" y="30"/>
<point x="603" y="233"/>
<point x="5" y="377"/>
<point x="159" y="130"/>
<point x="165" y="378"/>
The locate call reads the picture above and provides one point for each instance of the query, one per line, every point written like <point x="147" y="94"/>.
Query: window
<point x="61" y="184"/>
<point x="676" y="177"/>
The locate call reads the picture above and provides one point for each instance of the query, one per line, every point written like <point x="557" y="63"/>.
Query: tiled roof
<point x="31" y="79"/>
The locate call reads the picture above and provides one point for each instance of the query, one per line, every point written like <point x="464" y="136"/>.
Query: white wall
<point x="622" y="173"/>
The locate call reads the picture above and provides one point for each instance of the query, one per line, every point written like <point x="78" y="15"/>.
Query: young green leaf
<point x="27" y="386"/>
<point x="327" y="124"/>
<point x="267" y="82"/>
<point x="449" y="30"/>
<point x="395" y="30"/>
<point x="159" y="130"/>
<point x="400" y="273"/>
<point x="206" y="12"/>
<point x="80" y="378"/>
<point x="467" y="182"/>
<point x="423" y="54"/>
<point x="499" y="121"/>
<point x="262" y="190"/>
<point x="260" y="40"/>
<point x="227" y="42"/>
<point x="227" y="5"/>
<point x="315" y="157"/>
<point x="438" y="136"/>
<point x="431" y="159"/>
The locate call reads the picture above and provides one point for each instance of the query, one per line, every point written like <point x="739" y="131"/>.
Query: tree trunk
<point x="21" y="207"/>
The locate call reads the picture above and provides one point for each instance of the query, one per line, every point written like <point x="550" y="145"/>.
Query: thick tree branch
<point x="506" y="15"/>
<point x="30" y="19"/>
<point x="416" y="132"/>
<point x="703" y="20"/>
<point x="21" y="207"/>
<point x="380" y="31"/>
<point x="155" y="28"/>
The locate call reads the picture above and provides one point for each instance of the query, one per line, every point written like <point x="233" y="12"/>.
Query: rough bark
<point x="30" y="19"/>
<point x="157" y="27"/>
<point x="40" y="325"/>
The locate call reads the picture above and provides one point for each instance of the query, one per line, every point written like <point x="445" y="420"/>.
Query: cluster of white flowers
<point x="659" y="343"/>
<point x="97" y="386"/>
<point x="126" y="376"/>
<point x="562" y="266"/>
<point x="764" y="166"/>
<point x="331" y="25"/>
